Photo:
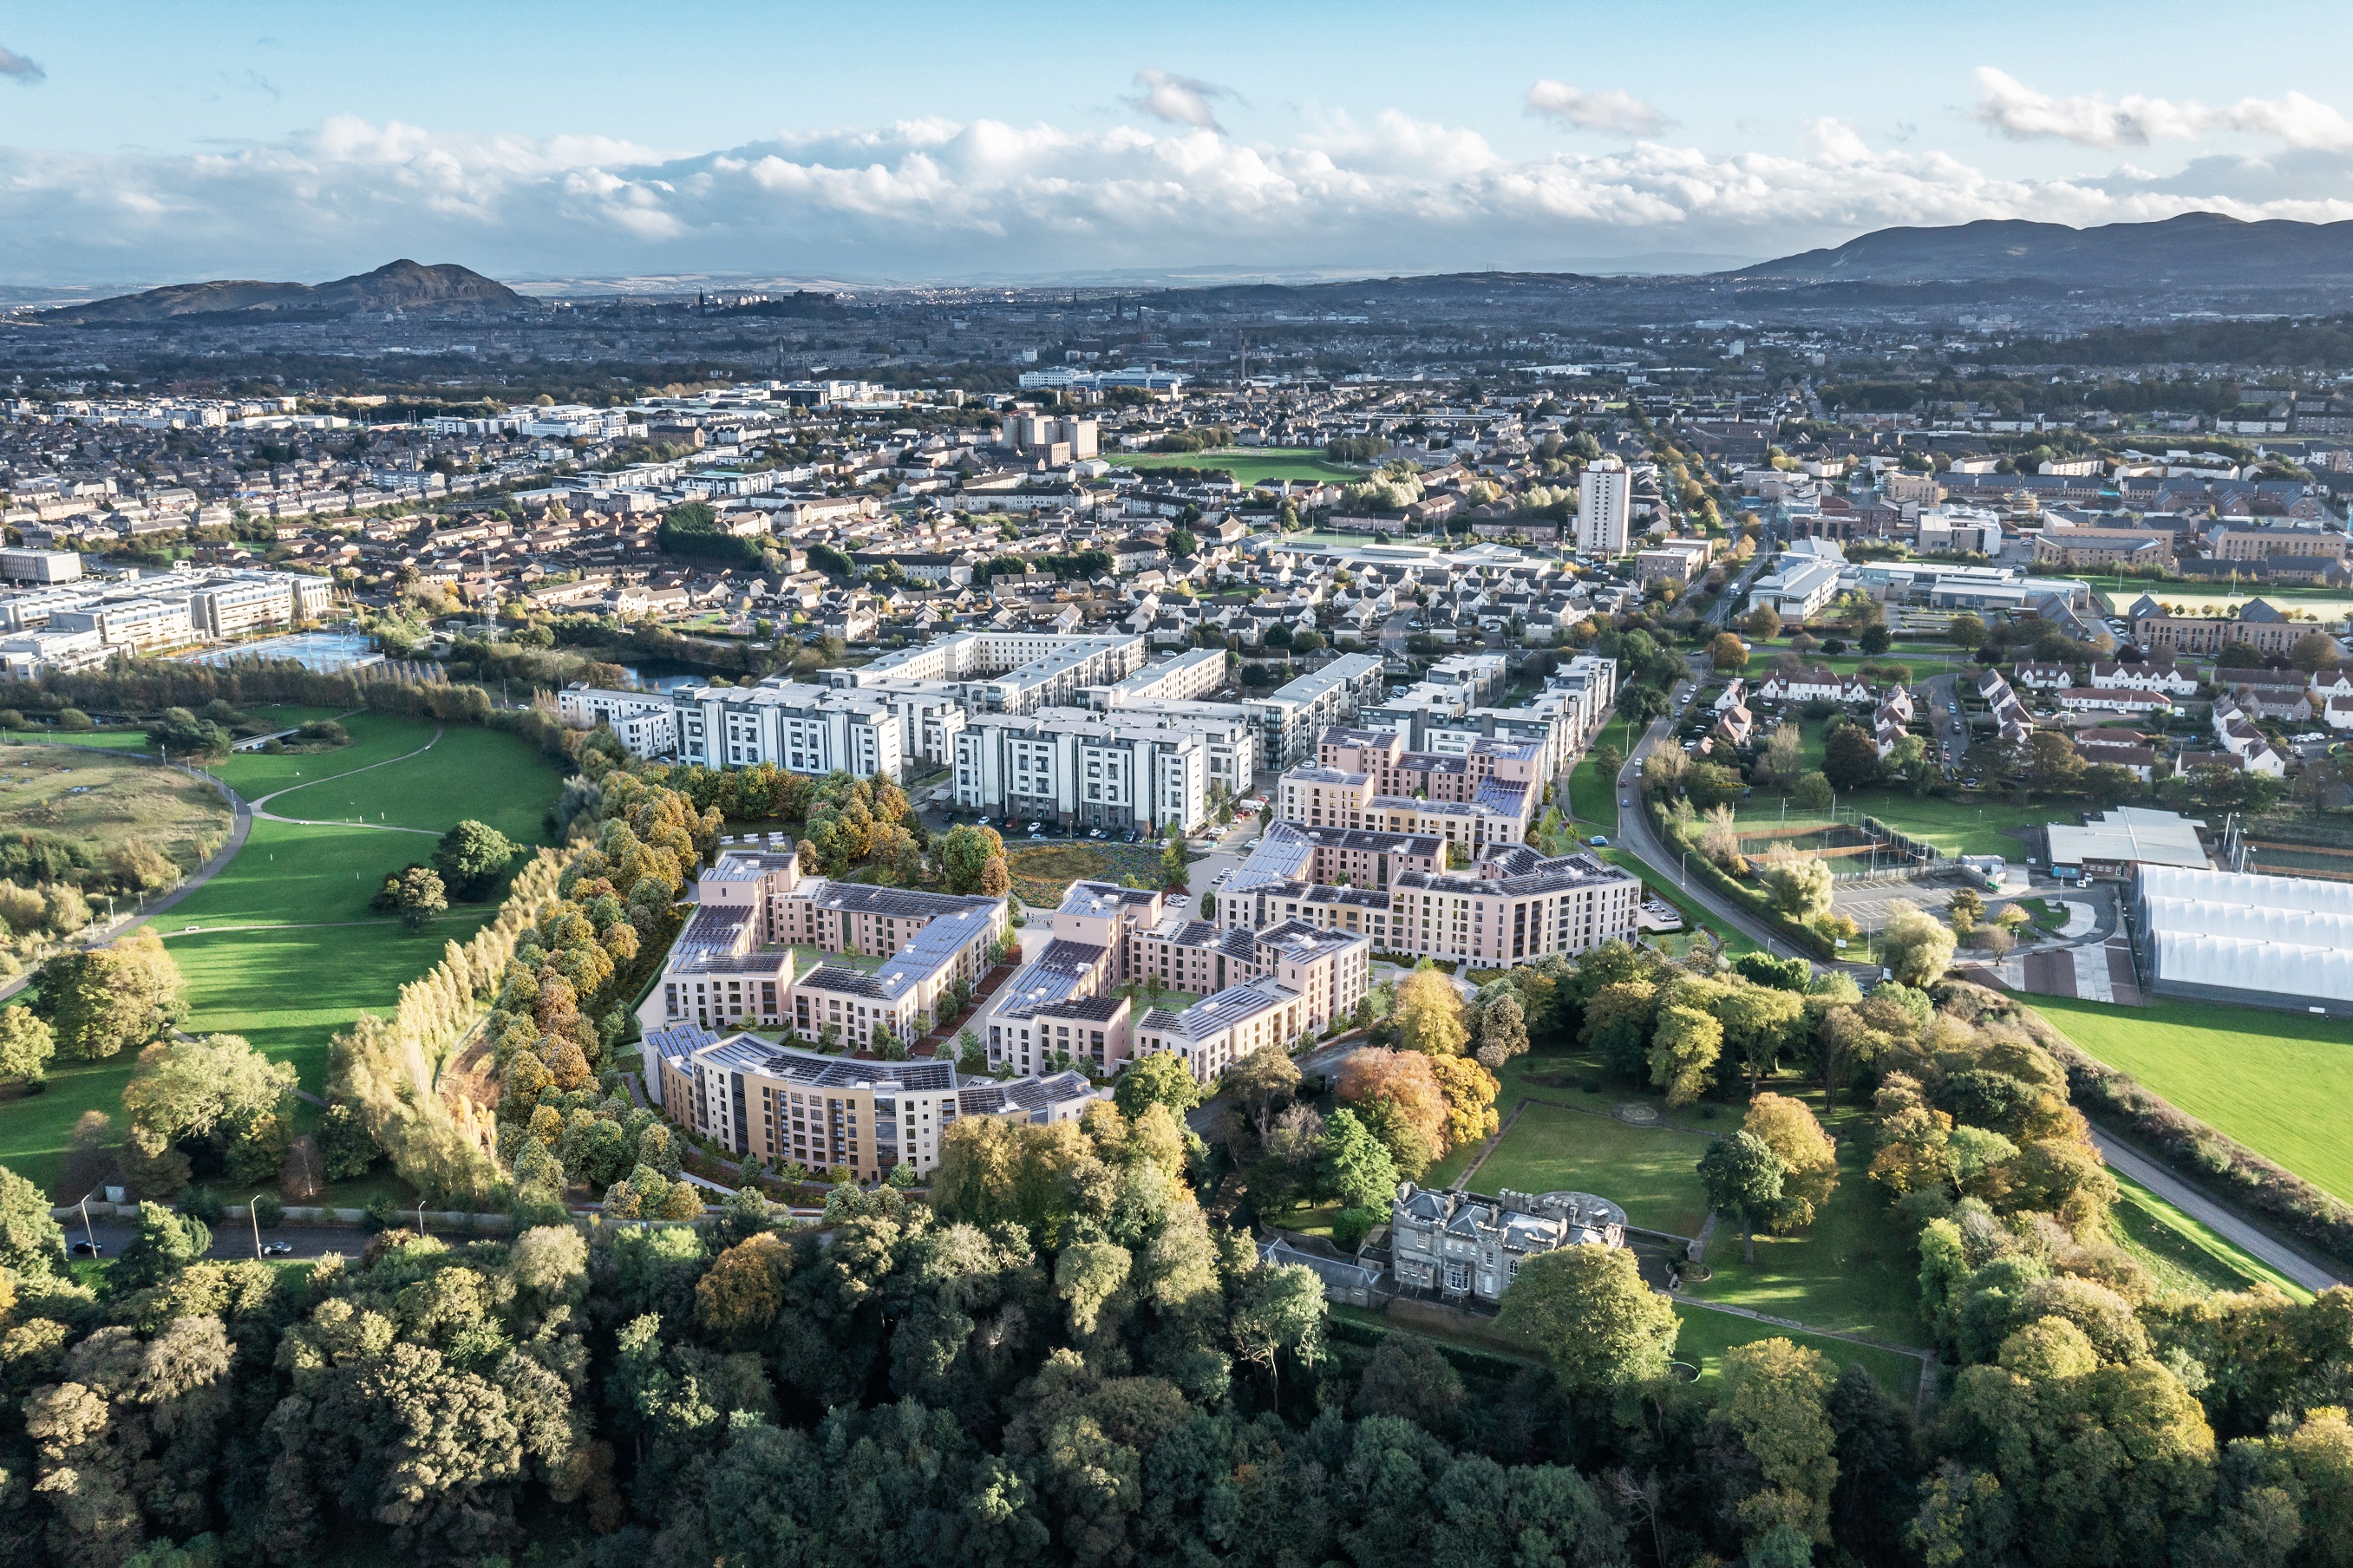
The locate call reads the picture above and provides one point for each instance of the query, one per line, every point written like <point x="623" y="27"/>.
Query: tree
<point x="1502" y="1031"/>
<point x="1812" y="790"/>
<point x="1774" y="1399"/>
<point x="26" y="1043"/>
<point x="1281" y="1309"/>
<point x="345" y="1145"/>
<point x="1401" y="1100"/>
<point x="1809" y="1158"/>
<point x="1743" y="1178"/>
<point x="166" y="1244"/>
<point x="1160" y="1079"/>
<point x="1685" y="1044"/>
<point x="1352" y="1165"/>
<point x="1726" y="653"/>
<point x="1876" y="638"/>
<point x="180" y="733"/>
<point x="1429" y="1014"/>
<point x="1967" y="908"/>
<point x="469" y="858"/>
<point x="1172" y="860"/>
<point x="2054" y="766"/>
<point x="215" y="1086"/>
<point x="1916" y="947"/>
<point x="1762" y="623"/>
<point x="1849" y="757"/>
<point x="420" y="897"/>
<point x="1965" y="631"/>
<point x="1261" y="1080"/>
<point x="32" y="1244"/>
<point x="1797" y="886"/>
<point x="995" y="879"/>
<point x="1781" y="759"/>
<point x="2313" y="652"/>
<point x="964" y="856"/>
<point x="1759" y="1023"/>
<point x="1586" y="1309"/>
<point x="102" y="1003"/>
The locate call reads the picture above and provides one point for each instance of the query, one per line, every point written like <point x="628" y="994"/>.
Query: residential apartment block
<point x="146" y="612"/>
<point x="1007" y="672"/>
<point x="1113" y="771"/>
<point x="734" y="960"/>
<point x="1292" y="716"/>
<point x="1368" y="780"/>
<point x="777" y="1103"/>
<point x="1514" y="905"/>
<point x="802" y="729"/>
<point x="646" y="722"/>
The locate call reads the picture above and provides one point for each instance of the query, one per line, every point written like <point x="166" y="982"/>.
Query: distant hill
<point x="2194" y="251"/>
<point x="407" y="286"/>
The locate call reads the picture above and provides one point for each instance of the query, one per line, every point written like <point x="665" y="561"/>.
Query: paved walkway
<point x="2239" y="1231"/>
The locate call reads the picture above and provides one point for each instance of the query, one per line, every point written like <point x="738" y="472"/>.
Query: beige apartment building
<point x="830" y="1113"/>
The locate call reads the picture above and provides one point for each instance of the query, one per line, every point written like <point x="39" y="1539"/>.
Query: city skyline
<point x="958" y="147"/>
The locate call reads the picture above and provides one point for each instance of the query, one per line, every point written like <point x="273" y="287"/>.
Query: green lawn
<point x="2277" y="1082"/>
<point x="1249" y="465"/>
<point x="1852" y="1270"/>
<point x="1650" y="1171"/>
<point x="309" y="954"/>
<point x="2184" y="1254"/>
<point x="105" y="740"/>
<point x="1706" y="1335"/>
<point x="33" y="1131"/>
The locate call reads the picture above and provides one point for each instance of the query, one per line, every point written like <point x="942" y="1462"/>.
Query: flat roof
<point x="2130" y="834"/>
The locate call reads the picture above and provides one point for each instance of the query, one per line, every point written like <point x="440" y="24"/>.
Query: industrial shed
<point x="2226" y="936"/>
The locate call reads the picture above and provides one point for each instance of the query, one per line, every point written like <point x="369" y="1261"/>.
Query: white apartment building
<point x="1290" y="717"/>
<point x="1005" y="672"/>
<point x="645" y="722"/>
<point x="801" y="729"/>
<point x="1184" y="678"/>
<point x="1084" y="772"/>
<point x="1605" y="503"/>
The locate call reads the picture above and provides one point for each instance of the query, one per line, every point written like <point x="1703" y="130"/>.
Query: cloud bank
<point x="2020" y="113"/>
<point x="988" y="198"/>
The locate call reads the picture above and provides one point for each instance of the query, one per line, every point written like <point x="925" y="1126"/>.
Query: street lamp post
<point x="253" y="1212"/>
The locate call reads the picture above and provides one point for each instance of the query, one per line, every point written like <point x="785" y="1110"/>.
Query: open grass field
<point x="1249" y="465"/>
<point x="105" y="800"/>
<point x="1651" y="1172"/>
<point x="2277" y="1082"/>
<point x="286" y="951"/>
<point x="1955" y="827"/>
<point x="98" y="740"/>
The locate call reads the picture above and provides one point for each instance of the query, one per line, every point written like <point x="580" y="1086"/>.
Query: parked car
<point x="90" y="1249"/>
<point x="1599" y="843"/>
<point x="276" y="1249"/>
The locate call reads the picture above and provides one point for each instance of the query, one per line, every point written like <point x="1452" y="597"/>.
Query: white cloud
<point x="988" y="198"/>
<point x="2020" y="113"/>
<point x="1613" y="109"/>
<point x="1179" y="99"/>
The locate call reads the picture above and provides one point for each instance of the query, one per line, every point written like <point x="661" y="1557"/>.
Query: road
<point x="1942" y="693"/>
<point x="1635" y="835"/>
<point x="2238" y="1232"/>
<point x="233" y="1238"/>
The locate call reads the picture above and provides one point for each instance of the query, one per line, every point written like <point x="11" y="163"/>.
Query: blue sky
<point x="141" y="144"/>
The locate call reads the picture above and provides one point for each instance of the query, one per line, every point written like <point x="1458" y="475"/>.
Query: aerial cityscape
<point x="925" y="787"/>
